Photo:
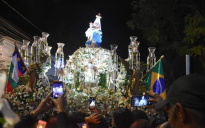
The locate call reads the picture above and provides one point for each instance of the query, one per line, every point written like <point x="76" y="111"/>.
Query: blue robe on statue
<point x="97" y="37"/>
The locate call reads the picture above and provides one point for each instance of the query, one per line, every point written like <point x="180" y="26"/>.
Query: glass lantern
<point x="35" y="49"/>
<point x="44" y="42"/>
<point x="151" y="59"/>
<point x="24" y="51"/>
<point x="133" y="40"/>
<point x="113" y="49"/>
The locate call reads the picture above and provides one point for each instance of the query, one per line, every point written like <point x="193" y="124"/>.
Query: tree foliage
<point x="175" y="27"/>
<point x="194" y="41"/>
<point x="161" y="21"/>
<point x="179" y="24"/>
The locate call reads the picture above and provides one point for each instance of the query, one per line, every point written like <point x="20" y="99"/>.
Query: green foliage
<point x="195" y="31"/>
<point x="174" y="27"/>
<point x="127" y="80"/>
<point x="69" y="86"/>
<point x="77" y="81"/>
<point x="159" y="21"/>
<point x="102" y="81"/>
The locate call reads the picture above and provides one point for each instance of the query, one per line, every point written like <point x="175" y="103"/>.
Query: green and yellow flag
<point x="154" y="80"/>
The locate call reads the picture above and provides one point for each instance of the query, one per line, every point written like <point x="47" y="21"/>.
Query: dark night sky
<point x="67" y="20"/>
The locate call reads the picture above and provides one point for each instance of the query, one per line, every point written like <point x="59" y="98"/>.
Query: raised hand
<point x="61" y="102"/>
<point x="94" y="118"/>
<point x="44" y="106"/>
<point x="96" y="110"/>
<point x="156" y="98"/>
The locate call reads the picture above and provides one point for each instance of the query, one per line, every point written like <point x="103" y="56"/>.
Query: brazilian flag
<point x="154" y="80"/>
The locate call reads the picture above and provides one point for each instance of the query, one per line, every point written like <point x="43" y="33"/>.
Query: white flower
<point x="84" y="94"/>
<point x="121" y="81"/>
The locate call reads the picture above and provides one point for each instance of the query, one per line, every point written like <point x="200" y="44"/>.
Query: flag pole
<point x="19" y="54"/>
<point x="152" y="67"/>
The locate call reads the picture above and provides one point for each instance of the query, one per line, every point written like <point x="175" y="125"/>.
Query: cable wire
<point x="9" y="26"/>
<point x="15" y="30"/>
<point x="25" y="18"/>
<point x="22" y="16"/>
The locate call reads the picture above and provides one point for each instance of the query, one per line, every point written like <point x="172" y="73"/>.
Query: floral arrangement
<point x="24" y="98"/>
<point x="106" y="99"/>
<point x="99" y="57"/>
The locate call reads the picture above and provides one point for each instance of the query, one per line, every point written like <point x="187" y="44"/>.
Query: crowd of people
<point x="184" y="107"/>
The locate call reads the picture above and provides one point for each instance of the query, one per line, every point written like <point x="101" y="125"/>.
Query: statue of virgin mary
<point x="94" y="33"/>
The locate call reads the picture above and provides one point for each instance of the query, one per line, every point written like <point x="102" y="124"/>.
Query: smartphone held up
<point x="92" y="103"/>
<point x="57" y="89"/>
<point x="140" y="100"/>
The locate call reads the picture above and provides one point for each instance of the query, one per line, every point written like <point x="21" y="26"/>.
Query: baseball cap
<point x="189" y="90"/>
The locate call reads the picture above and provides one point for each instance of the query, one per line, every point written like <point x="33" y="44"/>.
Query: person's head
<point x="139" y="114"/>
<point x="158" y="119"/>
<point x="122" y="118"/>
<point x="102" y="124"/>
<point x="141" y="123"/>
<point x="185" y="102"/>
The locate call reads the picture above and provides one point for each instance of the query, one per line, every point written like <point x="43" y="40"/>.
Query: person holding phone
<point x="140" y="101"/>
<point x="57" y="89"/>
<point x="30" y="120"/>
<point x="92" y="103"/>
<point x="61" y="104"/>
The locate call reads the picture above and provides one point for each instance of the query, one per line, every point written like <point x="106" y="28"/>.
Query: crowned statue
<point x="94" y="33"/>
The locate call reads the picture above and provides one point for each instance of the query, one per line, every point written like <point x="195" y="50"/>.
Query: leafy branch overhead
<point x="173" y="25"/>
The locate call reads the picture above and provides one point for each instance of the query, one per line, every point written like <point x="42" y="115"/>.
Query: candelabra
<point x="114" y="56"/>
<point x="134" y="54"/>
<point x="59" y="56"/>
<point x="48" y="51"/>
<point x="44" y="42"/>
<point x="25" y="52"/>
<point x="151" y="59"/>
<point x="35" y="50"/>
<point x="39" y="48"/>
<point x="114" y="70"/>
